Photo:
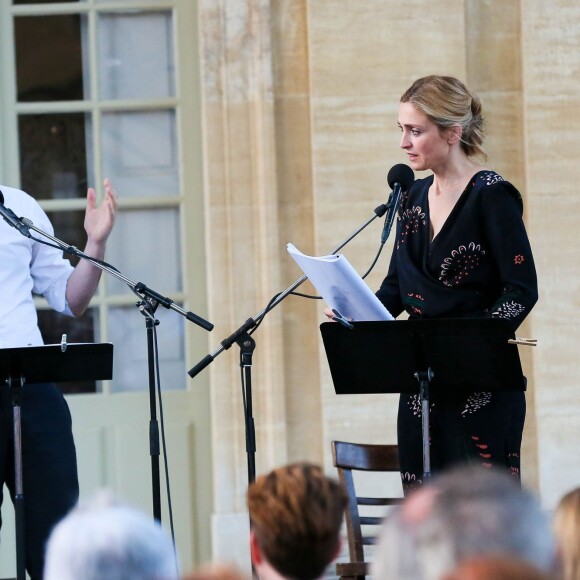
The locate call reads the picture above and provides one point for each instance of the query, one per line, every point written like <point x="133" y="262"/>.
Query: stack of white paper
<point x="340" y="286"/>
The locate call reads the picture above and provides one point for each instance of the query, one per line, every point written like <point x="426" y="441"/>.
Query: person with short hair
<point x="296" y="513"/>
<point x="566" y="525"/>
<point x="29" y="267"/>
<point x="106" y="539"/>
<point x="463" y="514"/>
<point x="496" y="568"/>
<point x="215" y="571"/>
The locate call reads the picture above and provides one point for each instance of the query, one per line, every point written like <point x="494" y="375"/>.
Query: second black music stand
<point x="45" y="364"/>
<point x="421" y="356"/>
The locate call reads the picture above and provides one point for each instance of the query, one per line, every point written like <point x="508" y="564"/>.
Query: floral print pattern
<point x="482" y="449"/>
<point x="411" y="220"/>
<point x="414" y="302"/>
<point x="456" y="267"/>
<point x="474" y="402"/>
<point x="510" y="309"/>
<point x="415" y="406"/>
<point x="490" y="177"/>
<point x="410" y="481"/>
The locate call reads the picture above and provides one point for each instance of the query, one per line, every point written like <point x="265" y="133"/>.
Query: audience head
<point x="106" y="539"/>
<point x="496" y="568"/>
<point x="464" y="513"/>
<point x="296" y="514"/>
<point x="567" y="531"/>
<point x="215" y="571"/>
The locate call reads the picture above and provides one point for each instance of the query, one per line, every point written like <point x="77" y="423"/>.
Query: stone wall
<point x="300" y="110"/>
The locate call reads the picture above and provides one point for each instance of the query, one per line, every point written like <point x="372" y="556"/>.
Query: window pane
<point x="48" y="58"/>
<point x="127" y="1"/>
<point x="82" y="329"/>
<point x="145" y="247"/>
<point x="53" y="156"/>
<point x="17" y="2"/>
<point x="69" y="228"/>
<point x="130" y="366"/>
<point x="136" y="56"/>
<point x="140" y="152"/>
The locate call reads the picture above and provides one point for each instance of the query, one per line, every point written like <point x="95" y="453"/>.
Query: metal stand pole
<point x="247" y="346"/>
<point x="154" y="448"/>
<point x="16" y="389"/>
<point x="424" y="379"/>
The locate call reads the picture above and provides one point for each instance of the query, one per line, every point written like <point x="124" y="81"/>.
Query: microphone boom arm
<point x="252" y="322"/>
<point x="138" y="288"/>
<point x="392" y="206"/>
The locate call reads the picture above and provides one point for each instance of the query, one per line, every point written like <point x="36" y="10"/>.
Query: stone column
<point x="243" y="251"/>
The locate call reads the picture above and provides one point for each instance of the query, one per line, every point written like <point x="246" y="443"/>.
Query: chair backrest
<point x="363" y="457"/>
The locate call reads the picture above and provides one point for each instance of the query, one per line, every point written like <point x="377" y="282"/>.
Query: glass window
<point x="126" y="1"/>
<point x="19" y="2"/>
<point x="69" y="227"/>
<point x="145" y="247"/>
<point x="130" y="364"/>
<point x="136" y="56"/>
<point x="139" y="151"/>
<point x="53" y="155"/>
<point x="71" y="133"/>
<point x="49" y="70"/>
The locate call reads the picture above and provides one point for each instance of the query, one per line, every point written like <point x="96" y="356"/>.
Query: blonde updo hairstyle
<point x="567" y="531"/>
<point x="447" y="102"/>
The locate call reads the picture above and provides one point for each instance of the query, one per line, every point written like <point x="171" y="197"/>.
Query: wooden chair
<point x="361" y="457"/>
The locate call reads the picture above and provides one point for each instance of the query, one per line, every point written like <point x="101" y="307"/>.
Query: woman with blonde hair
<point x="461" y="251"/>
<point x="567" y="532"/>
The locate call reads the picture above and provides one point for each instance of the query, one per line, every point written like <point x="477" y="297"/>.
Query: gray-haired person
<point x="464" y="513"/>
<point x="106" y="539"/>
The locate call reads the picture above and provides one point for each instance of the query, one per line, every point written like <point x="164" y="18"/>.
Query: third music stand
<point x="419" y="356"/>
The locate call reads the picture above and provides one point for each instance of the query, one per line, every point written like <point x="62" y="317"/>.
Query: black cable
<point x="163" y="443"/>
<point x="269" y="307"/>
<point x="373" y="264"/>
<point x="244" y="396"/>
<point x="305" y="295"/>
<point x="310" y="296"/>
<point x="374" y="261"/>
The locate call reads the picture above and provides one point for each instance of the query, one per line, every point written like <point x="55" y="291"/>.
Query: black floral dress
<point x="479" y="265"/>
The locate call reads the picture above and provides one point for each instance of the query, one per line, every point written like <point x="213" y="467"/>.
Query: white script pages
<point x="341" y="286"/>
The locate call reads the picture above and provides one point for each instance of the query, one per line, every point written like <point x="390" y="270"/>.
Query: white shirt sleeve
<point x="28" y="267"/>
<point x="50" y="271"/>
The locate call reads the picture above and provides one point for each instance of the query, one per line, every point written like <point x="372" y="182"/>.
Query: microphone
<point x="12" y="219"/>
<point x="400" y="179"/>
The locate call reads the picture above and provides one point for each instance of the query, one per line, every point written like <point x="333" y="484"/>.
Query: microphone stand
<point x="149" y="301"/>
<point x="242" y="337"/>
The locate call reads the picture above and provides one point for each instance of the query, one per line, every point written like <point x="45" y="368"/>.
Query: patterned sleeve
<point x="389" y="293"/>
<point x="508" y="242"/>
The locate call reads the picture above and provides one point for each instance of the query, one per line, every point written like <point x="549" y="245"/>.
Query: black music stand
<point x="45" y="364"/>
<point x="416" y="356"/>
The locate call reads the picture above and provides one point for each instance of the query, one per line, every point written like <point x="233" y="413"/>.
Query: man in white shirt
<point x="27" y="267"/>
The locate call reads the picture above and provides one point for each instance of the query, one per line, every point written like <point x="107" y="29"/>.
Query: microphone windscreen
<point x="402" y="174"/>
<point x="1" y="197"/>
